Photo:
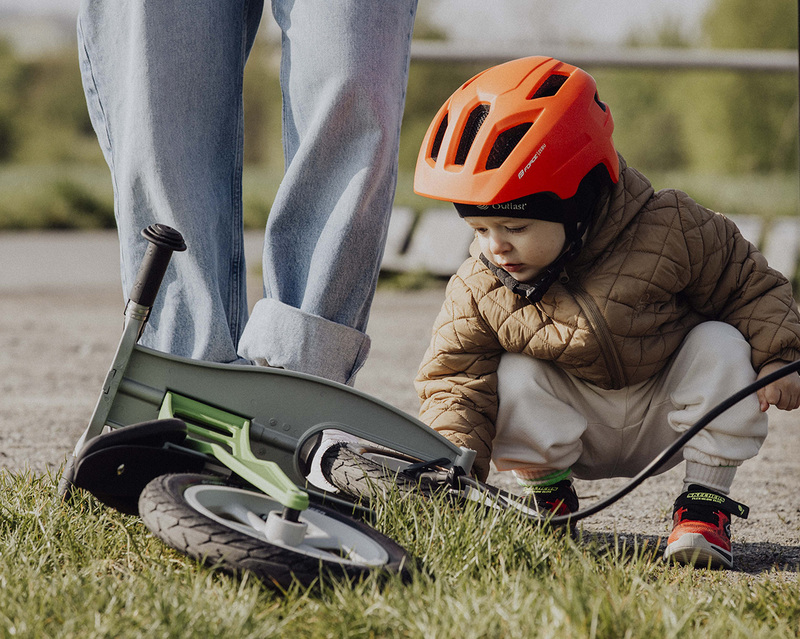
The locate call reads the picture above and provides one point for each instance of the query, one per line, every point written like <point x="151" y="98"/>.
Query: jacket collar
<point x="628" y="196"/>
<point x="624" y="202"/>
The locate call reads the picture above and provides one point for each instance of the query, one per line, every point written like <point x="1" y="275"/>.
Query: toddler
<point x="596" y="319"/>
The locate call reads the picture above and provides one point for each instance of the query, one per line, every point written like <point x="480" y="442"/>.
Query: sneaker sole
<point x="695" y="550"/>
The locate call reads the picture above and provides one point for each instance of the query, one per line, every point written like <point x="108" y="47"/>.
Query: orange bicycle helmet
<point x="533" y="125"/>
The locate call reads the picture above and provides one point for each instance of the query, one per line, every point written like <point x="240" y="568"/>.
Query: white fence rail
<point x="756" y="60"/>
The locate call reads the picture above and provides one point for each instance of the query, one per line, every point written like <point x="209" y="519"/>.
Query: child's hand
<point x="783" y="393"/>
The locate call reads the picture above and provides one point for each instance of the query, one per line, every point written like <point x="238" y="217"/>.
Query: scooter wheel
<point x="363" y="472"/>
<point x="226" y="527"/>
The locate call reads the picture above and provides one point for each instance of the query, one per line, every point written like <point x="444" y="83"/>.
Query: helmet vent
<point x="550" y="86"/>
<point x="474" y="122"/>
<point x="505" y="143"/>
<point x="437" y="140"/>
<point x="597" y="99"/>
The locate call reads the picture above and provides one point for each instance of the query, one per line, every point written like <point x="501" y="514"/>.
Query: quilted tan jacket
<point x="654" y="266"/>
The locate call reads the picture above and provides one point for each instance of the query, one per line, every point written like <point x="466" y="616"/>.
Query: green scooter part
<point x="213" y="431"/>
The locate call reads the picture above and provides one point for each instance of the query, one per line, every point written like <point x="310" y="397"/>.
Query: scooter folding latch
<point x="465" y="459"/>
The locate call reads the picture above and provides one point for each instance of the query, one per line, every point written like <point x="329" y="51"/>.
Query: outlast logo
<point x="509" y="206"/>
<point x="535" y="157"/>
<point x="505" y="206"/>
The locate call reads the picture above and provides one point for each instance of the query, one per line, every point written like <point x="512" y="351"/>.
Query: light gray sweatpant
<point x="549" y="420"/>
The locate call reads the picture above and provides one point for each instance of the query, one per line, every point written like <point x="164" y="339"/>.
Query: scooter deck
<point x="286" y="409"/>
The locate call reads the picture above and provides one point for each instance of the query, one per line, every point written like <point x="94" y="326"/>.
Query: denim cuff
<point x="283" y="336"/>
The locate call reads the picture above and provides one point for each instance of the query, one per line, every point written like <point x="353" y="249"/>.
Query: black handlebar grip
<point x="163" y="241"/>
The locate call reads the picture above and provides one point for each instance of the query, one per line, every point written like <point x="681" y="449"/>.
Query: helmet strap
<point x="533" y="292"/>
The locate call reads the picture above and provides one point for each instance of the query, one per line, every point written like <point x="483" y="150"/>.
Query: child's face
<point x="523" y="247"/>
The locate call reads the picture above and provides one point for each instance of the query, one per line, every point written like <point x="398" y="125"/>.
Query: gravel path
<point x="57" y="342"/>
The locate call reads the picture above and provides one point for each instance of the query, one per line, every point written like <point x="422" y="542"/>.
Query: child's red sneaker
<point x="701" y="533"/>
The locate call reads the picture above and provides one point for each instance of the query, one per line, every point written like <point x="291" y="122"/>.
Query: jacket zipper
<point x="604" y="339"/>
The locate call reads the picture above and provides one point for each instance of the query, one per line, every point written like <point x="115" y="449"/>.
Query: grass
<point x="768" y="196"/>
<point x="82" y="570"/>
<point x="60" y="196"/>
<point x="79" y="196"/>
<point x="55" y="197"/>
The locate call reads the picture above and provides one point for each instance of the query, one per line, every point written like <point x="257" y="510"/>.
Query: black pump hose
<point x="659" y="461"/>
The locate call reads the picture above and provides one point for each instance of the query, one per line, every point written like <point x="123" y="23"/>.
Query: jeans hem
<point x="284" y="336"/>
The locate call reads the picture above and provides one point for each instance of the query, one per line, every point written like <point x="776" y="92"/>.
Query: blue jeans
<point x="163" y="82"/>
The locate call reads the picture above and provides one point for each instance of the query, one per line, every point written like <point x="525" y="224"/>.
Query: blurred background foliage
<point x="729" y="138"/>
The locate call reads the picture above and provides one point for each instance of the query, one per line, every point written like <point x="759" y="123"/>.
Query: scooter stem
<point x="163" y="241"/>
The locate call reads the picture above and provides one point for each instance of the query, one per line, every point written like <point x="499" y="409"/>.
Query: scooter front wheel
<point x="234" y="529"/>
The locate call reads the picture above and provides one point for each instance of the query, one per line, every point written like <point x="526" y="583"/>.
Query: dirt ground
<point x="57" y="341"/>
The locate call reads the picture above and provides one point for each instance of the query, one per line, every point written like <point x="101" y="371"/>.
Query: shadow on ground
<point x="749" y="558"/>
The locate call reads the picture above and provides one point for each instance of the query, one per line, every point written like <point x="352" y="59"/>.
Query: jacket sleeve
<point x="457" y="380"/>
<point x="731" y="281"/>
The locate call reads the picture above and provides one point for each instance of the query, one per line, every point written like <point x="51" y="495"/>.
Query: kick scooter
<point x="169" y="435"/>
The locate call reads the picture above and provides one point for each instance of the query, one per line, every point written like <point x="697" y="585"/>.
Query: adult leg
<point x="163" y="82"/>
<point x="343" y="74"/>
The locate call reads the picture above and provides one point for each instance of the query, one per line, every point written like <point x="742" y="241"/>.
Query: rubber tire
<point x="164" y="509"/>
<point x="346" y="467"/>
